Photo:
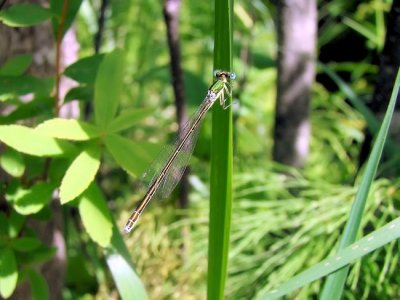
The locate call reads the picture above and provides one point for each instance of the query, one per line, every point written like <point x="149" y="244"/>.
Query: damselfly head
<point x="219" y="74"/>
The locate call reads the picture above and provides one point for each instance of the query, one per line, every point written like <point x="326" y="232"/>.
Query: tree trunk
<point x="171" y="16"/>
<point x="297" y="28"/>
<point x="389" y="64"/>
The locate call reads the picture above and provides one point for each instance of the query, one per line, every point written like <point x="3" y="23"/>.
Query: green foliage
<point x="107" y="88"/>
<point x="8" y="272"/>
<point x="16" y="66"/>
<point x="95" y="215"/>
<point x="68" y="130"/>
<point x="60" y="21"/>
<point x="27" y="140"/>
<point x="132" y="156"/>
<point x="12" y="162"/>
<point x="335" y="283"/>
<point x="72" y="149"/>
<point x="118" y="261"/>
<point x="25" y="14"/>
<point x="38" y="284"/>
<point x="31" y="201"/>
<point x="284" y="221"/>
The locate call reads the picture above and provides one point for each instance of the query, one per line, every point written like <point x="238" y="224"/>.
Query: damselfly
<point x="171" y="170"/>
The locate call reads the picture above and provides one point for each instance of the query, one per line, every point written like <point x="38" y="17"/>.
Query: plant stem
<point x="221" y="161"/>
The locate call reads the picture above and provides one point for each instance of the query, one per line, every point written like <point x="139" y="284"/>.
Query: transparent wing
<point x="181" y="158"/>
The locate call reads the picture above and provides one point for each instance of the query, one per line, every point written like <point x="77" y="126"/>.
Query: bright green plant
<point x="62" y="155"/>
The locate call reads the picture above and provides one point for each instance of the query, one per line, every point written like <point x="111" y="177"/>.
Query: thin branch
<point x="100" y="25"/>
<point x="60" y="30"/>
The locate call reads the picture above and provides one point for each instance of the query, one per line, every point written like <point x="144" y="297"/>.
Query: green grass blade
<point x="127" y="281"/>
<point x="335" y="283"/>
<point x="221" y="161"/>
<point x="366" y="245"/>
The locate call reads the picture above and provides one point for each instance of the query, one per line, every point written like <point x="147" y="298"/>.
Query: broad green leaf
<point x="95" y="216"/>
<point x="128" y="118"/>
<point x="85" y="69"/>
<point x="12" y="162"/>
<point x="31" y="201"/>
<point x="25" y="84"/>
<point x="108" y="87"/>
<point x="80" y="93"/>
<point x="25" y="244"/>
<point x="25" y="14"/>
<point x="27" y="140"/>
<point x="8" y="272"/>
<point x="80" y="174"/>
<point x="56" y="7"/>
<point x="16" y="221"/>
<point x="131" y="156"/>
<point x="36" y="108"/>
<point x="127" y="281"/>
<point x="39" y="287"/>
<point x="16" y="65"/>
<point x="69" y="129"/>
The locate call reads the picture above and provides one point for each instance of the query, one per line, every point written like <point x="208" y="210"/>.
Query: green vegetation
<point x="252" y="224"/>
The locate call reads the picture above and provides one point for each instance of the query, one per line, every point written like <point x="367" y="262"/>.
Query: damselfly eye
<point x="216" y="73"/>
<point x="232" y="75"/>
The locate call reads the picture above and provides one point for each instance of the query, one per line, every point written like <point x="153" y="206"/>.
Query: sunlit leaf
<point x="69" y="129"/>
<point x="95" y="216"/>
<point x="80" y="174"/>
<point x="27" y="140"/>
<point x="8" y="272"/>
<point x="127" y="281"/>
<point x="30" y="201"/>
<point x="12" y="162"/>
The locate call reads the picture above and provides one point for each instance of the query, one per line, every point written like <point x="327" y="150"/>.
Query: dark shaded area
<point x="388" y="66"/>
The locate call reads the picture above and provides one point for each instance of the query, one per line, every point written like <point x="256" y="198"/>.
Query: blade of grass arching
<point x="221" y="161"/>
<point x="127" y="281"/>
<point x="343" y="258"/>
<point x="334" y="285"/>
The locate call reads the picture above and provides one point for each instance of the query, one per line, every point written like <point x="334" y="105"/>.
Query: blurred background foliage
<point x="284" y="220"/>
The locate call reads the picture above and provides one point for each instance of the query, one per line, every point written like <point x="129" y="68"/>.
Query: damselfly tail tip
<point x="129" y="226"/>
